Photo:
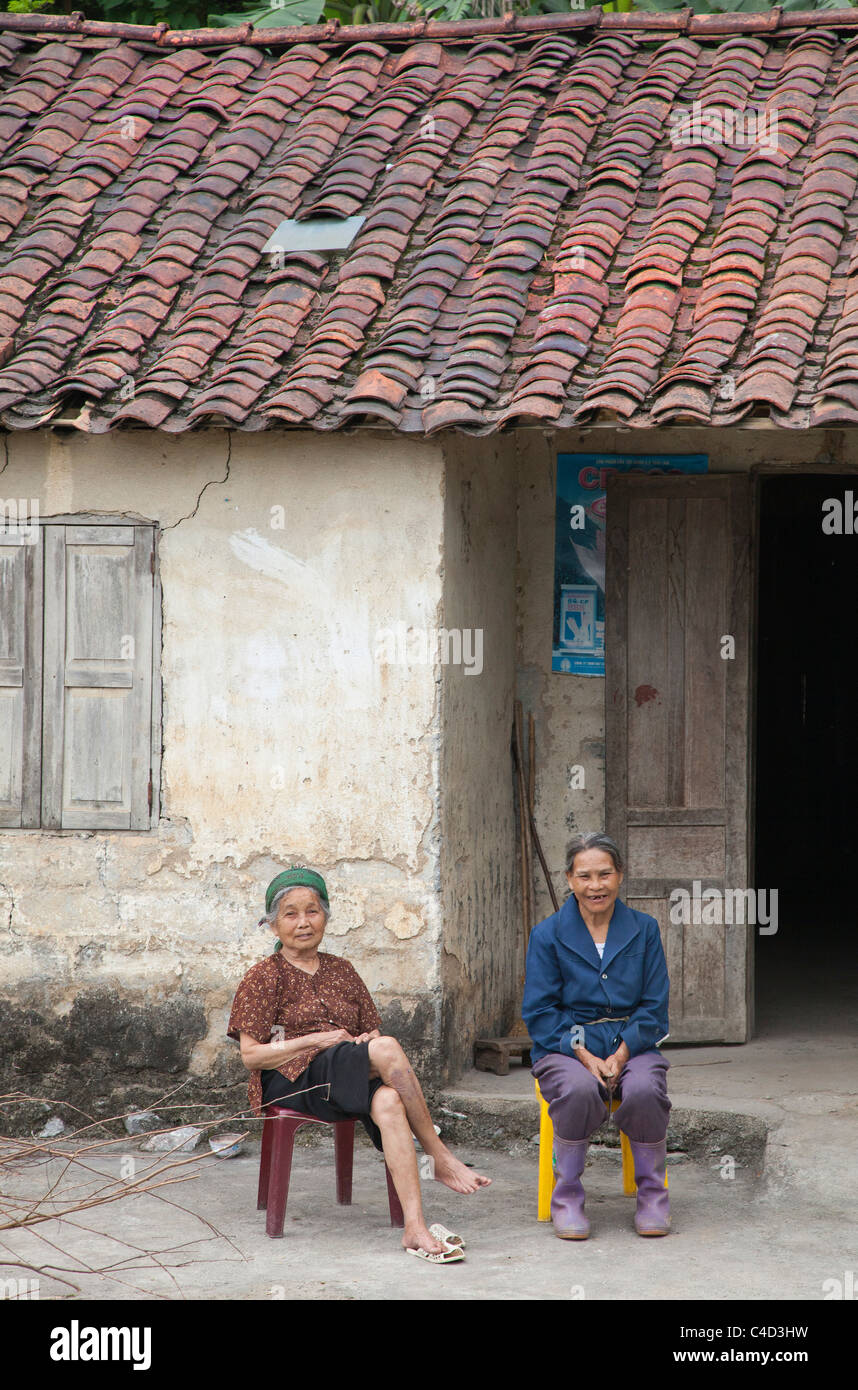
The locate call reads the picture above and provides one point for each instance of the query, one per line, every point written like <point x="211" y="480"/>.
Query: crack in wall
<point x="6" y="889"/>
<point x="101" y="855"/>
<point x="210" y="483"/>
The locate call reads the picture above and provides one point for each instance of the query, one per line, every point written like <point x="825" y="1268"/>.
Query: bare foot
<point x="457" y="1175"/>
<point x="418" y="1238"/>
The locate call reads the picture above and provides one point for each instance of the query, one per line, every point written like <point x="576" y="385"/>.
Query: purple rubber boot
<point x="652" y="1214"/>
<point x="567" y="1202"/>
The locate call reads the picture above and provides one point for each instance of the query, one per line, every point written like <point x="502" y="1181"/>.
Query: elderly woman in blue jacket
<point x="595" y="1004"/>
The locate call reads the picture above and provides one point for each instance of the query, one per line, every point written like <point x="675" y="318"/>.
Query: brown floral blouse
<point x="274" y="993"/>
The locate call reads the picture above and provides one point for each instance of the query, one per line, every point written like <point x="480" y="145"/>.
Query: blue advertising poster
<point x="579" y="550"/>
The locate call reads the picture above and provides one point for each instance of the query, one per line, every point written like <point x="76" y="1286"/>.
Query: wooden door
<point x="678" y="587"/>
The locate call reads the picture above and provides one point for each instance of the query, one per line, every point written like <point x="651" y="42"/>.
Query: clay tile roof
<point x="646" y="217"/>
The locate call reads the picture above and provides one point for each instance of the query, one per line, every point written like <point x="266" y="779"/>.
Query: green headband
<point x="296" y="878"/>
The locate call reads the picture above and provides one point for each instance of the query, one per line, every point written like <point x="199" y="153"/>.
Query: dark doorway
<point x="806" y="815"/>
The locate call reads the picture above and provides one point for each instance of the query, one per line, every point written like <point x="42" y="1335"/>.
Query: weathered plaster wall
<point x="482" y="937"/>
<point x="569" y="710"/>
<point x="284" y="737"/>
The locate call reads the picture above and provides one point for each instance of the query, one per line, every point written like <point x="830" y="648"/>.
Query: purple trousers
<point x="578" y="1105"/>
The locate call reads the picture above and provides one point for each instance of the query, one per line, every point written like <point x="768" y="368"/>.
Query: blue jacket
<point x="567" y="984"/>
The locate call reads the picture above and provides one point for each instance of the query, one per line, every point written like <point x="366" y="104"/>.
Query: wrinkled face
<point x="595" y="880"/>
<point x="300" y="922"/>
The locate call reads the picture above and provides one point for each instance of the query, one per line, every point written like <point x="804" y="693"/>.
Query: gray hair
<point x="271" y="915"/>
<point x="592" y="839"/>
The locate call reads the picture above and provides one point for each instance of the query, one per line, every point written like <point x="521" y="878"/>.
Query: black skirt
<point x="342" y="1087"/>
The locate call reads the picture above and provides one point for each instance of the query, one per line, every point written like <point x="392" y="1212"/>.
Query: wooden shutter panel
<point x="677" y="723"/>
<point x="97" y="727"/>
<point x="20" y="677"/>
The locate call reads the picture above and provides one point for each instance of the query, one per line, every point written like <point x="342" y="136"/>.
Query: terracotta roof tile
<point x="547" y="233"/>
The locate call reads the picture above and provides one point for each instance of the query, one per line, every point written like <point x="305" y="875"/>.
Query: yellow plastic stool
<point x="546" y="1165"/>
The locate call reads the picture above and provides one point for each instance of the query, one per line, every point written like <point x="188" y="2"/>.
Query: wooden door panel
<point x="677" y="723"/>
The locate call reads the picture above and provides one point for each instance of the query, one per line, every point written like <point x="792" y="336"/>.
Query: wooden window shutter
<point x="97" y="721"/>
<point x="20" y="677"/>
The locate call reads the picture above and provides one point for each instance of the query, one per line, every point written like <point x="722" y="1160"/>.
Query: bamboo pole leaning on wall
<point x="524" y="825"/>
<point x="529" y="837"/>
<point x="493" y="1054"/>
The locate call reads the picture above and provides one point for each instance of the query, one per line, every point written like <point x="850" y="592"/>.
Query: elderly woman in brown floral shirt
<point x="331" y="1059"/>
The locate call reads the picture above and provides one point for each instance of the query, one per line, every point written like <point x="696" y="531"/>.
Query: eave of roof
<point x="538" y="248"/>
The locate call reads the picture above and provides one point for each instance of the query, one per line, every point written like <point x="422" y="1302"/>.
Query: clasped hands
<point x="605" y="1069"/>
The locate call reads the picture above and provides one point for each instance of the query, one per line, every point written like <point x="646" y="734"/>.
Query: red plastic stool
<point x="278" y="1141"/>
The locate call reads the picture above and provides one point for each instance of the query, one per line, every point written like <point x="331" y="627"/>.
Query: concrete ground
<point x="783" y="1108"/>
<point x="727" y="1243"/>
<point x="732" y="1239"/>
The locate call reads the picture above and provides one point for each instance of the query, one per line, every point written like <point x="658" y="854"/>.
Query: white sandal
<point x="449" y="1237"/>
<point x="450" y="1255"/>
